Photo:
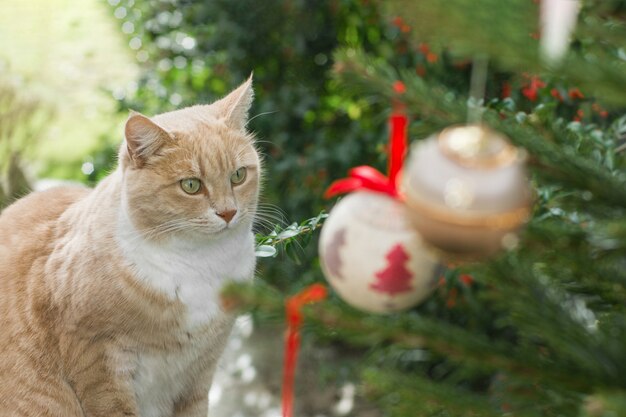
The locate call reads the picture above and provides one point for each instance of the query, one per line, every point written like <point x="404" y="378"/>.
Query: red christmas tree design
<point x="395" y="278"/>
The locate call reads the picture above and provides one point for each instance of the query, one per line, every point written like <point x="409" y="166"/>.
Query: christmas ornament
<point x="372" y="256"/>
<point x="369" y="252"/>
<point x="558" y="19"/>
<point x="467" y="191"/>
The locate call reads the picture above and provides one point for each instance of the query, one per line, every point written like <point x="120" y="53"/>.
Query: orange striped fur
<point x="109" y="297"/>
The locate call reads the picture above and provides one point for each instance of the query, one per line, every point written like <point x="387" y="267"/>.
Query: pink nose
<point x="227" y="215"/>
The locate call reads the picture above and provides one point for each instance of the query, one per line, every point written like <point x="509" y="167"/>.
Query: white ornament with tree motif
<point x="372" y="256"/>
<point x="467" y="191"/>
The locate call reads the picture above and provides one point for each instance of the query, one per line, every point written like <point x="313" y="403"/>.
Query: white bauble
<point x="467" y="191"/>
<point x="372" y="256"/>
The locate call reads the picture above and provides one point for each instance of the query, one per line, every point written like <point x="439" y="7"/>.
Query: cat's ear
<point x="143" y="138"/>
<point x="234" y="108"/>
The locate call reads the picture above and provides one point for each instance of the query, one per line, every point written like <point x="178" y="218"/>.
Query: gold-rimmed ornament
<point x="467" y="191"/>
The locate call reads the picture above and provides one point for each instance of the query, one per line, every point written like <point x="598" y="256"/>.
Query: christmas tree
<point x="541" y="328"/>
<point x="536" y="330"/>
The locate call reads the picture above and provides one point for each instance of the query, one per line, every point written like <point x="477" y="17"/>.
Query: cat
<point x="109" y="298"/>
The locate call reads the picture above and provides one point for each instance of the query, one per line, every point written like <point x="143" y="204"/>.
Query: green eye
<point x="190" y="185"/>
<point x="239" y="176"/>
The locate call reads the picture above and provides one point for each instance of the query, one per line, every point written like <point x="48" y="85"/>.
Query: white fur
<point x="159" y="379"/>
<point x="194" y="274"/>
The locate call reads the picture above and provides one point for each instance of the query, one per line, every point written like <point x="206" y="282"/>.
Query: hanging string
<point x="312" y="294"/>
<point x="478" y="86"/>
<point x="398" y="144"/>
<point x="368" y="178"/>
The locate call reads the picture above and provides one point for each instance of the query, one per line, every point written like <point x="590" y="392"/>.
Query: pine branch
<point x="508" y="31"/>
<point x="412" y="331"/>
<point x="413" y="395"/>
<point x="585" y="257"/>
<point x="563" y="162"/>
<point x="501" y="30"/>
<point x="282" y="237"/>
<point x="439" y="107"/>
<point x="561" y="323"/>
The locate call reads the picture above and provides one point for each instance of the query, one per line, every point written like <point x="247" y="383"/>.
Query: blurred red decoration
<point x="399" y="87"/>
<point x="431" y="57"/>
<point x="506" y="90"/>
<point x="575" y="94"/>
<point x="556" y="94"/>
<point x="312" y="294"/>
<point x="466" y="279"/>
<point x="530" y="90"/>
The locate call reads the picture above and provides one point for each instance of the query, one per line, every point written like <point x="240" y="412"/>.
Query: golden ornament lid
<point x="476" y="146"/>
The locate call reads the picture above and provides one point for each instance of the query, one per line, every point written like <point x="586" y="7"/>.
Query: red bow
<point x="367" y="178"/>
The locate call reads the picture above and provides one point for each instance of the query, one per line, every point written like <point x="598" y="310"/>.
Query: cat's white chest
<point x="160" y="379"/>
<point x="163" y="377"/>
<point x="193" y="274"/>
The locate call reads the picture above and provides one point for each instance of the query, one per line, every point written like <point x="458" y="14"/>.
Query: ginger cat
<point x="109" y="298"/>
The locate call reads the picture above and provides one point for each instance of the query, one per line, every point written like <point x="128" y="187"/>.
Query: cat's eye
<point x="239" y="176"/>
<point x="190" y="185"/>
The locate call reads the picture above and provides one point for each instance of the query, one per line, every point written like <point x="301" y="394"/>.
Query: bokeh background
<point x="70" y="71"/>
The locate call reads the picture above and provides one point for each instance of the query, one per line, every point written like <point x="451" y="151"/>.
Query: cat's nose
<point x="227" y="215"/>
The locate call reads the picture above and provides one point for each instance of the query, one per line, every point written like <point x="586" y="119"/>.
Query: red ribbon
<point x="367" y="178"/>
<point x="312" y="294"/>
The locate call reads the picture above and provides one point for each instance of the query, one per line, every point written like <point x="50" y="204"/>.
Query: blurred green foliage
<point x="22" y="119"/>
<point x="308" y="130"/>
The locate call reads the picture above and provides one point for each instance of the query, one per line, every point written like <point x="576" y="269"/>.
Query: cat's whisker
<point x="266" y="204"/>
<point x="259" y="222"/>
<point x="157" y="231"/>
<point x="273" y="210"/>
<point x="261" y="114"/>
<point x="257" y="141"/>
<point x="174" y="227"/>
<point x="269" y="221"/>
<point x="274" y="214"/>
<point x="262" y="228"/>
<point x="158" y="228"/>
<point x="270" y="206"/>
